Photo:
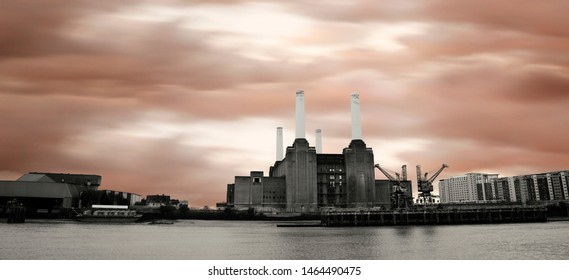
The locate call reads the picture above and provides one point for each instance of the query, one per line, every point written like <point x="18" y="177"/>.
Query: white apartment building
<point x="467" y="188"/>
<point x="479" y="187"/>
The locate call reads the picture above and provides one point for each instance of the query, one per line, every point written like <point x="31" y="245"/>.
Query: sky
<point x="178" y="97"/>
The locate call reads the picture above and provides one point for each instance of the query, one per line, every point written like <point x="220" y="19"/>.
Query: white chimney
<point x="279" y="143"/>
<point x="300" y="131"/>
<point x="356" y="120"/>
<point x="319" y="141"/>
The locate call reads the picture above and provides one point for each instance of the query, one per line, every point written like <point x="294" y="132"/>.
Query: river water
<point x="260" y="240"/>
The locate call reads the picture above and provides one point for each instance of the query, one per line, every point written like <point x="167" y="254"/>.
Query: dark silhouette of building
<point x="50" y="192"/>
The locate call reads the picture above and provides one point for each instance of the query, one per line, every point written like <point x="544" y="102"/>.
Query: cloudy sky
<point x="177" y="97"/>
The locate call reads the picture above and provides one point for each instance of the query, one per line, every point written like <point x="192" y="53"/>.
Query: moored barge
<point x="108" y="214"/>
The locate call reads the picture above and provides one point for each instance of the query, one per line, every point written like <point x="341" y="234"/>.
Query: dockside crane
<point x="399" y="197"/>
<point x="425" y="184"/>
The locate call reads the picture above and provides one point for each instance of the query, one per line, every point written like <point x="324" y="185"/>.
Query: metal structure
<point x="399" y="197"/>
<point x="425" y="183"/>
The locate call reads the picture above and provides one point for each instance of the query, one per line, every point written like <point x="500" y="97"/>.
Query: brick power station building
<point x="304" y="179"/>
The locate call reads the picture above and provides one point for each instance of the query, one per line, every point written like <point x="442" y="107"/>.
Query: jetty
<point x="433" y="216"/>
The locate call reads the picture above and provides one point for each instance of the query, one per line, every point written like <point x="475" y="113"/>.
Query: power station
<point x="303" y="179"/>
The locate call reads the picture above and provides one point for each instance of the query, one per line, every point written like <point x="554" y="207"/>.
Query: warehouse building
<point x="50" y="192"/>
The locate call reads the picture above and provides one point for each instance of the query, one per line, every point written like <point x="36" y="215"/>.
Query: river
<point x="261" y="240"/>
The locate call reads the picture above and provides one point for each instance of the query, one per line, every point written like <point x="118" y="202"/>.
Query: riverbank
<point x="553" y="212"/>
<point x="229" y="215"/>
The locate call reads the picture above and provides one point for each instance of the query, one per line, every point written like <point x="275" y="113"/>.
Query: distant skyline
<point x="178" y="97"/>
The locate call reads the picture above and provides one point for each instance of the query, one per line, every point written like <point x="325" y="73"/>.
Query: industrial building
<point x="50" y="192"/>
<point x="303" y="179"/>
<point x="476" y="187"/>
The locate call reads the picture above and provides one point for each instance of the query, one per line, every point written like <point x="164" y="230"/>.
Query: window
<point x="332" y="177"/>
<point x="256" y="180"/>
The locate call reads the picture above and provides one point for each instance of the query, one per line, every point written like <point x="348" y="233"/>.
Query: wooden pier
<point x="338" y="218"/>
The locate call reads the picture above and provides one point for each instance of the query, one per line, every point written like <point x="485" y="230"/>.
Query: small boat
<point x="161" y="222"/>
<point x="108" y="214"/>
<point x="282" y="215"/>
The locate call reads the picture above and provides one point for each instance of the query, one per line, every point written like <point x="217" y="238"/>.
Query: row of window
<point x="273" y="197"/>
<point x="324" y="169"/>
<point x="273" y="192"/>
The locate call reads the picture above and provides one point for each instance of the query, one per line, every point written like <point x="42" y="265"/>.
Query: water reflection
<point x="263" y="240"/>
<point x="429" y="230"/>
<point x="404" y="231"/>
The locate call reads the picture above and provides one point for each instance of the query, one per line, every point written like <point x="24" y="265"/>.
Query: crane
<point x="399" y="198"/>
<point x="425" y="183"/>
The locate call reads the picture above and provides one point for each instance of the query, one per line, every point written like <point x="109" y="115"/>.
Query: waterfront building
<point x="121" y="198"/>
<point x="43" y="192"/>
<point x="470" y="187"/>
<point x="158" y="200"/>
<point x="303" y="179"/>
<point x="478" y="187"/>
<point x="48" y="191"/>
<point x="88" y="198"/>
<point x="548" y="186"/>
<point x="502" y="187"/>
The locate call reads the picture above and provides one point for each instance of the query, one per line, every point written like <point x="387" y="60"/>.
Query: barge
<point x="108" y="214"/>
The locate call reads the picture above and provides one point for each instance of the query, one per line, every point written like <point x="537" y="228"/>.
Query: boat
<point x="108" y="214"/>
<point x="161" y="222"/>
<point x="282" y="215"/>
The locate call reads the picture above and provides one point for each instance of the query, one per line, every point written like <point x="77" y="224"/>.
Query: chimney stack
<point x="279" y="143"/>
<point x="319" y="141"/>
<point x="356" y="121"/>
<point x="300" y="131"/>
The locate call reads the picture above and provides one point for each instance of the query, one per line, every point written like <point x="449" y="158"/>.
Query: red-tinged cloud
<point x="541" y="18"/>
<point x="175" y="97"/>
